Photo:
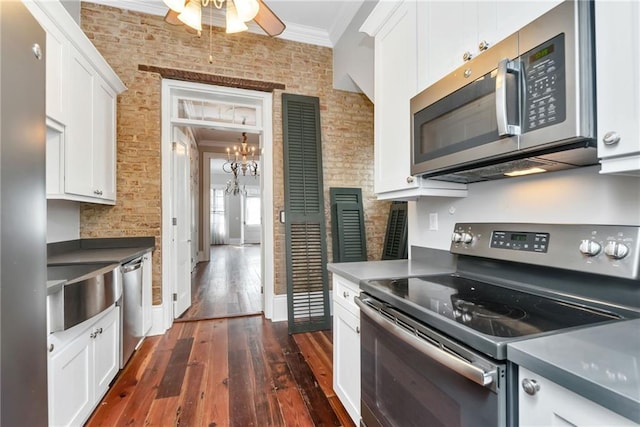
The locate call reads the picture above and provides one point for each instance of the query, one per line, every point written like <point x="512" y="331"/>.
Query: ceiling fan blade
<point x="268" y="21"/>
<point x="172" y="18"/>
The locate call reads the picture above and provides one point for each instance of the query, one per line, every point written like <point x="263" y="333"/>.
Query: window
<point x="252" y="210"/>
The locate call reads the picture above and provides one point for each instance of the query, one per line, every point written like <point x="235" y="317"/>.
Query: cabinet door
<point x="106" y="351"/>
<point x="79" y="139"/>
<point x="71" y="386"/>
<point x="618" y="84"/>
<point x="395" y="83"/>
<point x="346" y="360"/>
<point x="57" y="60"/>
<point x="447" y="30"/>
<point x="104" y="148"/>
<point x="553" y="405"/>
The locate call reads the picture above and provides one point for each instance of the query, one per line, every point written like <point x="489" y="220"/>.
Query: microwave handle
<point x="504" y="128"/>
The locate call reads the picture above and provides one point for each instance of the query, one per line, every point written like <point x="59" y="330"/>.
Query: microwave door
<point x="458" y="124"/>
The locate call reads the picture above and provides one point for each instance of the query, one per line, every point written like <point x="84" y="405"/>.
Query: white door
<point x="181" y="227"/>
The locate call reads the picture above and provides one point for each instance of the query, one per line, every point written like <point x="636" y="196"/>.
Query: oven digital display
<point x="520" y="241"/>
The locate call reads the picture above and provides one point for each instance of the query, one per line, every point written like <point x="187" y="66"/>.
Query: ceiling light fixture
<point x="238" y="12"/>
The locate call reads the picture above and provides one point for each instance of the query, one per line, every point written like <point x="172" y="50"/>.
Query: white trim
<point x="157" y="316"/>
<point x="235" y="241"/>
<point x="379" y="16"/>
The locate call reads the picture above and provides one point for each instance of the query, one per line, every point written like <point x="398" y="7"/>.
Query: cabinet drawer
<point x="343" y="293"/>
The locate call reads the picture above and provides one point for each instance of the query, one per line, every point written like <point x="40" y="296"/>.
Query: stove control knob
<point x="456" y="237"/>
<point x="590" y="248"/>
<point x="530" y="387"/>
<point x="616" y="250"/>
<point x="466" y="238"/>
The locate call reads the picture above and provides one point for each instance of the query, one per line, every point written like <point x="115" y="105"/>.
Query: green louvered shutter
<point x="395" y="241"/>
<point x="306" y="247"/>
<point x="347" y="225"/>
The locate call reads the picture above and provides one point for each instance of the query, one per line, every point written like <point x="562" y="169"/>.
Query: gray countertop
<point x="425" y="262"/>
<point x="89" y="251"/>
<point x="91" y="256"/>
<point x="601" y="363"/>
<point x="94" y="251"/>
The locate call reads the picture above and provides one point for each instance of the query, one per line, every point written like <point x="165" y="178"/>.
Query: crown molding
<point x="292" y="32"/>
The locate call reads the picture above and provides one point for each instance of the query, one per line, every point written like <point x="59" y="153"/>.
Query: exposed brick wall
<point x="127" y="39"/>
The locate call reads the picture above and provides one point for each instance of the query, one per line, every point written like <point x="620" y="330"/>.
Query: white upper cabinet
<point x="393" y="25"/>
<point x="618" y="85"/>
<point x="451" y="32"/>
<point x="81" y="111"/>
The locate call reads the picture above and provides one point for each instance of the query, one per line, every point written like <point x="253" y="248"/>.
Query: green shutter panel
<point x="395" y="241"/>
<point x="347" y="225"/>
<point x="306" y="247"/>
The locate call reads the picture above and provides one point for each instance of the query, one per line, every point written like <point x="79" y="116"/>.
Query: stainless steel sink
<point x="89" y="289"/>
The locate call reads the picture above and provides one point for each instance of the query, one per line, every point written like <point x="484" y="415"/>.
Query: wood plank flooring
<point x="228" y="285"/>
<point x="239" y="372"/>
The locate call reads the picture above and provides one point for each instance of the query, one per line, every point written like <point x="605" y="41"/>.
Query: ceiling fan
<point x="238" y="12"/>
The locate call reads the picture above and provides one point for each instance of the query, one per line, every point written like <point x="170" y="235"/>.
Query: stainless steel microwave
<point x="525" y="105"/>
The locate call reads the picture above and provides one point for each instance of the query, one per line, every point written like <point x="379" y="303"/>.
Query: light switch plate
<point x="433" y="221"/>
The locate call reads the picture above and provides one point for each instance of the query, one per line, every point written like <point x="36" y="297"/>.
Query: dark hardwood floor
<point x="228" y="285"/>
<point x="244" y="371"/>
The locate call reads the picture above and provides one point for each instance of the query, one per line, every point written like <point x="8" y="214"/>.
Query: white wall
<point x="63" y="220"/>
<point x="353" y="56"/>
<point x="575" y="196"/>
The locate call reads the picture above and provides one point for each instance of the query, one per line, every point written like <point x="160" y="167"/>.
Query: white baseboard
<point x="280" y="307"/>
<point x="235" y="241"/>
<point x="279" y="313"/>
<point x="157" y="314"/>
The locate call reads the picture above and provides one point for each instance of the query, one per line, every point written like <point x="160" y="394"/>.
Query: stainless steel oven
<point x="527" y="102"/>
<point x="414" y="376"/>
<point x="434" y="348"/>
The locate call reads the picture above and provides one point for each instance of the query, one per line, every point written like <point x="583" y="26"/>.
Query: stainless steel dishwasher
<point x="131" y="309"/>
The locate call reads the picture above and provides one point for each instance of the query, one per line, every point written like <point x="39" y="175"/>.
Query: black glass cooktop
<point x="486" y="308"/>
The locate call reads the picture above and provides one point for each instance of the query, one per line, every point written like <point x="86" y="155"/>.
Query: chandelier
<point x="238" y="162"/>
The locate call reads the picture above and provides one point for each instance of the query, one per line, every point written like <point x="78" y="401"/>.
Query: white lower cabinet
<point x="82" y="363"/>
<point x="553" y="405"/>
<point x="346" y="346"/>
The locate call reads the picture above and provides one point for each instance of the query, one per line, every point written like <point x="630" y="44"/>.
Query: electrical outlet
<point x="433" y="221"/>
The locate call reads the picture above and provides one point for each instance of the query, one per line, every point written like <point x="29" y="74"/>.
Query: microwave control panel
<point x="545" y="85"/>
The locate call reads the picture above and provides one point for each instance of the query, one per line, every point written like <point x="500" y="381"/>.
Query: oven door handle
<point x="462" y="367"/>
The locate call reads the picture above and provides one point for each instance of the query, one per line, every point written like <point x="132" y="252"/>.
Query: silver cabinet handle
<point x="345" y="294"/>
<point x="357" y="329"/>
<point x="467" y="56"/>
<point x="51" y="347"/>
<point x="97" y="192"/>
<point x="410" y="179"/>
<point x="483" y="45"/>
<point x="530" y="387"/>
<point x="37" y="51"/>
<point x="611" y="138"/>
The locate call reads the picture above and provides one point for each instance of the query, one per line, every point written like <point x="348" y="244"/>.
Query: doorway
<point x="229" y="284"/>
<point x="190" y="105"/>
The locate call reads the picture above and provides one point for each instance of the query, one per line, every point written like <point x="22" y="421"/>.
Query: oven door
<point x="413" y="376"/>
<point x="469" y="115"/>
